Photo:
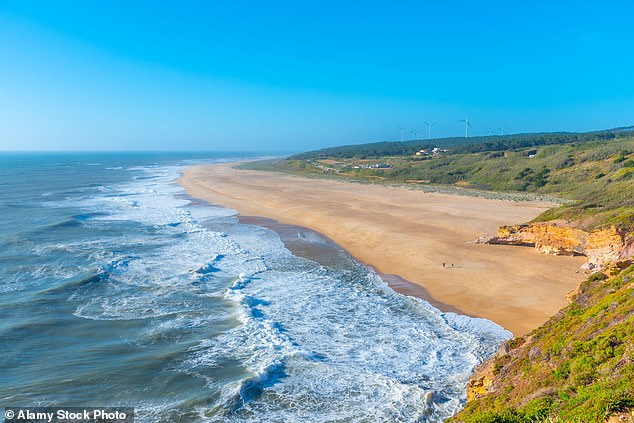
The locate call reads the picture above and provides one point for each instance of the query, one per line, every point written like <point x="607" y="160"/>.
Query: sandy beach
<point x="411" y="233"/>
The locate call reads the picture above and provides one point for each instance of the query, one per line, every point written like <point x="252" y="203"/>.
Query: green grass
<point x="596" y="177"/>
<point x="578" y="367"/>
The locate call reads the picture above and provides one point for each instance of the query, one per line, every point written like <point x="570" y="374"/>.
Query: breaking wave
<point x="271" y="336"/>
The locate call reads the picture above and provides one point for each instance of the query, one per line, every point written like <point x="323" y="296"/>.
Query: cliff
<point x="602" y="247"/>
<point x="577" y="367"/>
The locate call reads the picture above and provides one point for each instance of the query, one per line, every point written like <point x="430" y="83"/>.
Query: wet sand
<point x="301" y="242"/>
<point x="410" y="233"/>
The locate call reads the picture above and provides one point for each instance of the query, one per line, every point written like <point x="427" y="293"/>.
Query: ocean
<point x="117" y="289"/>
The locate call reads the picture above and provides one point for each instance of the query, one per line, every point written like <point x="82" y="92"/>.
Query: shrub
<point x="621" y="401"/>
<point x="595" y="277"/>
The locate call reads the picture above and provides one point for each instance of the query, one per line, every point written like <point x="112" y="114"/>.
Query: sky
<point x="299" y="75"/>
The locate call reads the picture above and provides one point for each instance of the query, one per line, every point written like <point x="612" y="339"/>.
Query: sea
<point x="117" y="289"/>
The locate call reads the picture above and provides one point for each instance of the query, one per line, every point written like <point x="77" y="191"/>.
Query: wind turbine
<point x="467" y="125"/>
<point x="402" y="133"/>
<point x="429" y="128"/>
<point x="502" y="129"/>
<point x="414" y="134"/>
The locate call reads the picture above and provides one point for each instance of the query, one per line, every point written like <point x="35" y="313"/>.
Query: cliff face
<point x="485" y="379"/>
<point x="579" y="366"/>
<point x="602" y="247"/>
<point x="481" y="383"/>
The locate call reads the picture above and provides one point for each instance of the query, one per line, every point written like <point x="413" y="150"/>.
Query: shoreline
<point x="288" y="232"/>
<point x="414" y="235"/>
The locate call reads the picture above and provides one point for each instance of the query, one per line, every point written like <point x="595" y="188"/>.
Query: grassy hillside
<point x="578" y="367"/>
<point x="597" y="174"/>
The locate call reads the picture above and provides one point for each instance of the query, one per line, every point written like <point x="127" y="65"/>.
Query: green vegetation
<point x="594" y="171"/>
<point x="461" y="145"/>
<point x="578" y="367"/>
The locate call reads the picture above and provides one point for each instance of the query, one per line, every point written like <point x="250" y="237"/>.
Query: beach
<point x="425" y="238"/>
<point x="221" y="318"/>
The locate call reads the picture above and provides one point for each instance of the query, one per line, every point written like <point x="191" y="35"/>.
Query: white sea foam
<point x="317" y="344"/>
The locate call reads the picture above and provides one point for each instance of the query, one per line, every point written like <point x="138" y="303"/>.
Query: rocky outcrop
<point x="602" y="246"/>
<point x="481" y="383"/>
<point x="486" y="375"/>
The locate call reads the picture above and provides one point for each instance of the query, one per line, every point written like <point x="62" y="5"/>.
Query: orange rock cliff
<point x="602" y="247"/>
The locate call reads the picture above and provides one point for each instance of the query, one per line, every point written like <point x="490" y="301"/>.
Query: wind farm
<point x="429" y="126"/>
<point x="467" y="127"/>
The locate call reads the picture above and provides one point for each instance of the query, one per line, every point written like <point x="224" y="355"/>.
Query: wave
<point x="74" y="221"/>
<point x="275" y="337"/>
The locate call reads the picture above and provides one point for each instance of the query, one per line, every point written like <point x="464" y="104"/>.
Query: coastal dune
<point x="426" y="238"/>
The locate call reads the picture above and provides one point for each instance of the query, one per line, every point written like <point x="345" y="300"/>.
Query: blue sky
<point x="290" y="76"/>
